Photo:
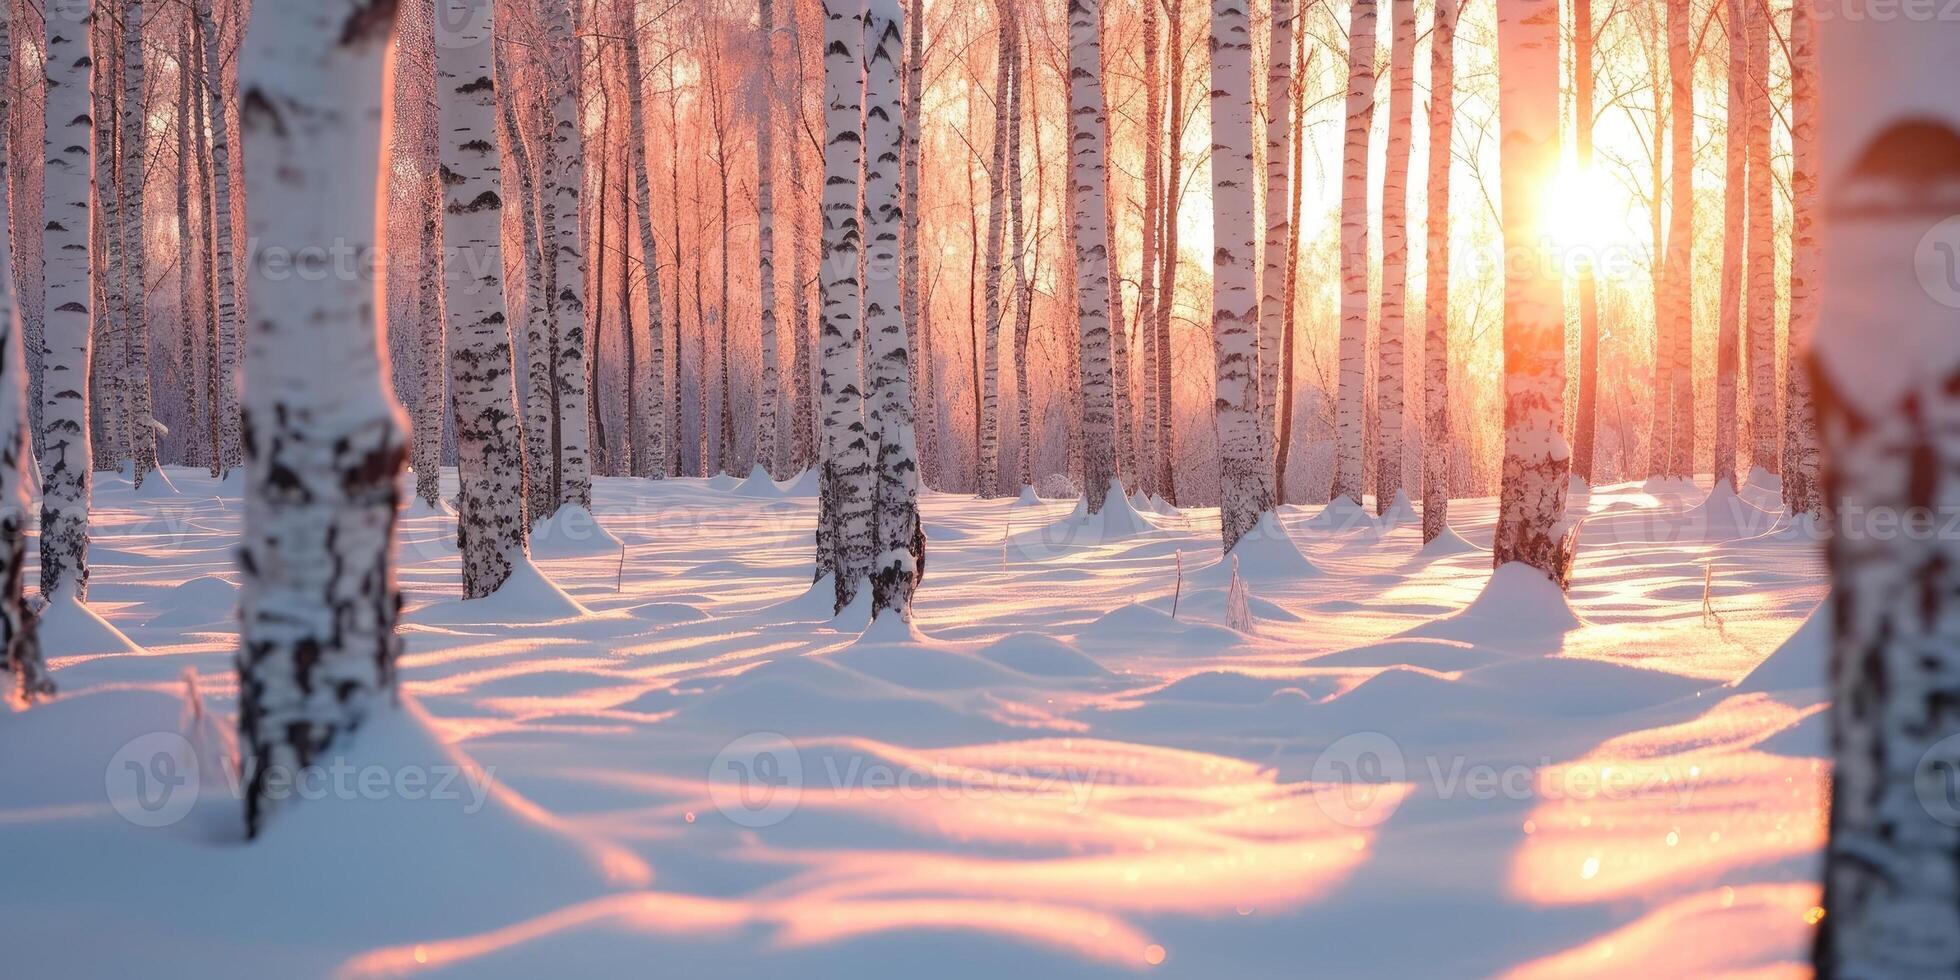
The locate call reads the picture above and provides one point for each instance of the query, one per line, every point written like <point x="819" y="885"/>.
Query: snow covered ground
<point x="681" y="767"/>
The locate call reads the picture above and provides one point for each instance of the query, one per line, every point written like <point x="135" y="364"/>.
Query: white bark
<point x="490" y="458"/>
<point x="1763" y="428"/>
<point x="1149" y="470"/>
<point x="1245" y="480"/>
<point x="1531" y="505"/>
<point x="66" y="456"/>
<point x="803" y="450"/>
<point x="652" y="456"/>
<point x="318" y="601"/>
<point x="189" y="328"/>
<point x="765" y="206"/>
<point x="1393" y="328"/>
<point x="1887" y="373"/>
<point x="1349" y="414"/>
<point x="1582" y="136"/>
<point x="1279" y="223"/>
<point x="564" y="163"/>
<point x="1087" y="134"/>
<point x="987" y="468"/>
<point x="917" y="322"/>
<point x="1733" y="232"/>
<point x="1023" y="288"/>
<point x="224" y="271"/>
<point x="539" y="401"/>
<point x="20" y="647"/>
<point x="1436" y="307"/>
<point x="846" y="493"/>
<point x="432" y="369"/>
<point x="1801" y="492"/>
<point x="900" y="545"/>
<point x="140" y="437"/>
<point x="109" y="361"/>
<point x="1678" y="267"/>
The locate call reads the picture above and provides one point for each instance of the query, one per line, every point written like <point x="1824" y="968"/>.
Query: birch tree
<point x="1023" y="288"/>
<point x="845" y="504"/>
<point x="1289" y="304"/>
<point x="1168" y="226"/>
<point x="432" y="368"/>
<point x="1886" y="365"/>
<point x="1090" y="216"/>
<point x="69" y="285"/>
<point x="653" y="454"/>
<point x="765" y="208"/>
<point x="1349" y="414"/>
<point x="540" y="402"/>
<point x="918" y="324"/>
<point x="1245" y="481"/>
<point x="140" y="436"/>
<point x="901" y="541"/>
<point x="565" y="168"/>
<point x="219" y="237"/>
<point x="988" y="471"/>
<point x="1734" y="230"/>
<point x="318" y="600"/>
<point x="1587" y="419"/>
<point x="1531" y="505"/>
<point x="490" y="525"/>
<point x="20" y="644"/>
<point x="1152" y="443"/>
<point x="1801" y="493"/>
<point x="1678" y="403"/>
<point x="1436" y="303"/>
<point x="1763" y="428"/>
<point x="803" y="448"/>
<point x="1392" y="331"/>
<point x="1279" y="224"/>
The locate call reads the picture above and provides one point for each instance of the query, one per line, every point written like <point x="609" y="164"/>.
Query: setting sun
<point x="1590" y="213"/>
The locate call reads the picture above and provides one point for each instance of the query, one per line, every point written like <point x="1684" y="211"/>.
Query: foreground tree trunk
<point x="1733" y="231"/>
<point x="565" y="163"/>
<point x="1277" y="283"/>
<point x="66" y="456"/>
<point x="1393" y="330"/>
<point x="1531" y="506"/>
<point x="1245" y="481"/>
<point x="901" y="541"/>
<point x="318" y="601"/>
<point x="1087" y="135"/>
<point x="490" y="525"/>
<point x="1436" y="304"/>
<point x="1587" y="421"/>
<point x="1801" y="492"/>
<point x="845" y="497"/>
<point x="544" y="472"/>
<point x="1886" y="367"/>
<point x="1349" y="414"/>
<point x="20" y="645"/>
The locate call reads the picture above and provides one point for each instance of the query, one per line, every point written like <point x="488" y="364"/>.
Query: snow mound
<point x="1808" y="528"/>
<point x="1028" y="498"/>
<point x="156" y="486"/>
<point x="1041" y="656"/>
<point x="1137" y="626"/>
<point x="1341" y="515"/>
<point x="1448" y="543"/>
<point x="1400" y="512"/>
<point x="907" y="659"/>
<point x="526" y="597"/>
<point x="1443" y="656"/>
<point x="1162" y="507"/>
<point x="1266" y="556"/>
<point x="1725" y="516"/>
<point x="759" y="485"/>
<point x="70" y="628"/>
<point x="804" y="484"/>
<point x="667" y="613"/>
<point x="1577" y="486"/>
<point x="723" y="482"/>
<point x="1763" y="480"/>
<point x="816" y="604"/>
<point x="202" y="601"/>
<point x="1215" y="604"/>
<point x="1800" y="663"/>
<point x="1220" y="687"/>
<point x="572" y="533"/>
<point x="1518" y="605"/>
<point x="1660" y="486"/>
<point x="1117" y="521"/>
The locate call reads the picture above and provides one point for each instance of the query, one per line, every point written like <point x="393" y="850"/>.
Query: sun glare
<point x="1591" y="214"/>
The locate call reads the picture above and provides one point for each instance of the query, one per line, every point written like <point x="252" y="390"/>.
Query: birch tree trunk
<point x="565" y="158"/>
<point x="66" y="457"/>
<point x="1436" y="287"/>
<point x="988" y="465"/>
<point x="846" y="492"/>
<point x="1149" y="471"/>
<point x="141" y="433"/>
<point x="1167" y="282"/>
<point x="544" y="469"/>
<point x="1245" y="482"/>
<point x="1087" y="133"/>
<point x="109" y="361"/>
<point x="318" y="601"/>
<point x="901" y="542"/>
<point x="1531" y="506"/>
<point x="917" y="318"/>
<point x="652" y="455"/>
<point x="1279" y="227"/>
<point x="1679" y="267"/>
<point x="1349" y="413"/>
<point x="1734" y="230"/>
<point x="765" y="206"/>
<point x="20" y="646"/>
<point x="1763" y="429"/>
<point x="188" y="328"/>
<point x="431" y="368"/>
<point x="491" y="529"/>
<point x="1393" y="328"/>
<point x="225" y="272"/>
<point x="1023" y="289"/>
<point x="1289" y="305"/>
<point x="1886" y="366"/>
<point x="1582" y="137"/>
<point x="1801" y="492"/>
<point x="803" y="450"/>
